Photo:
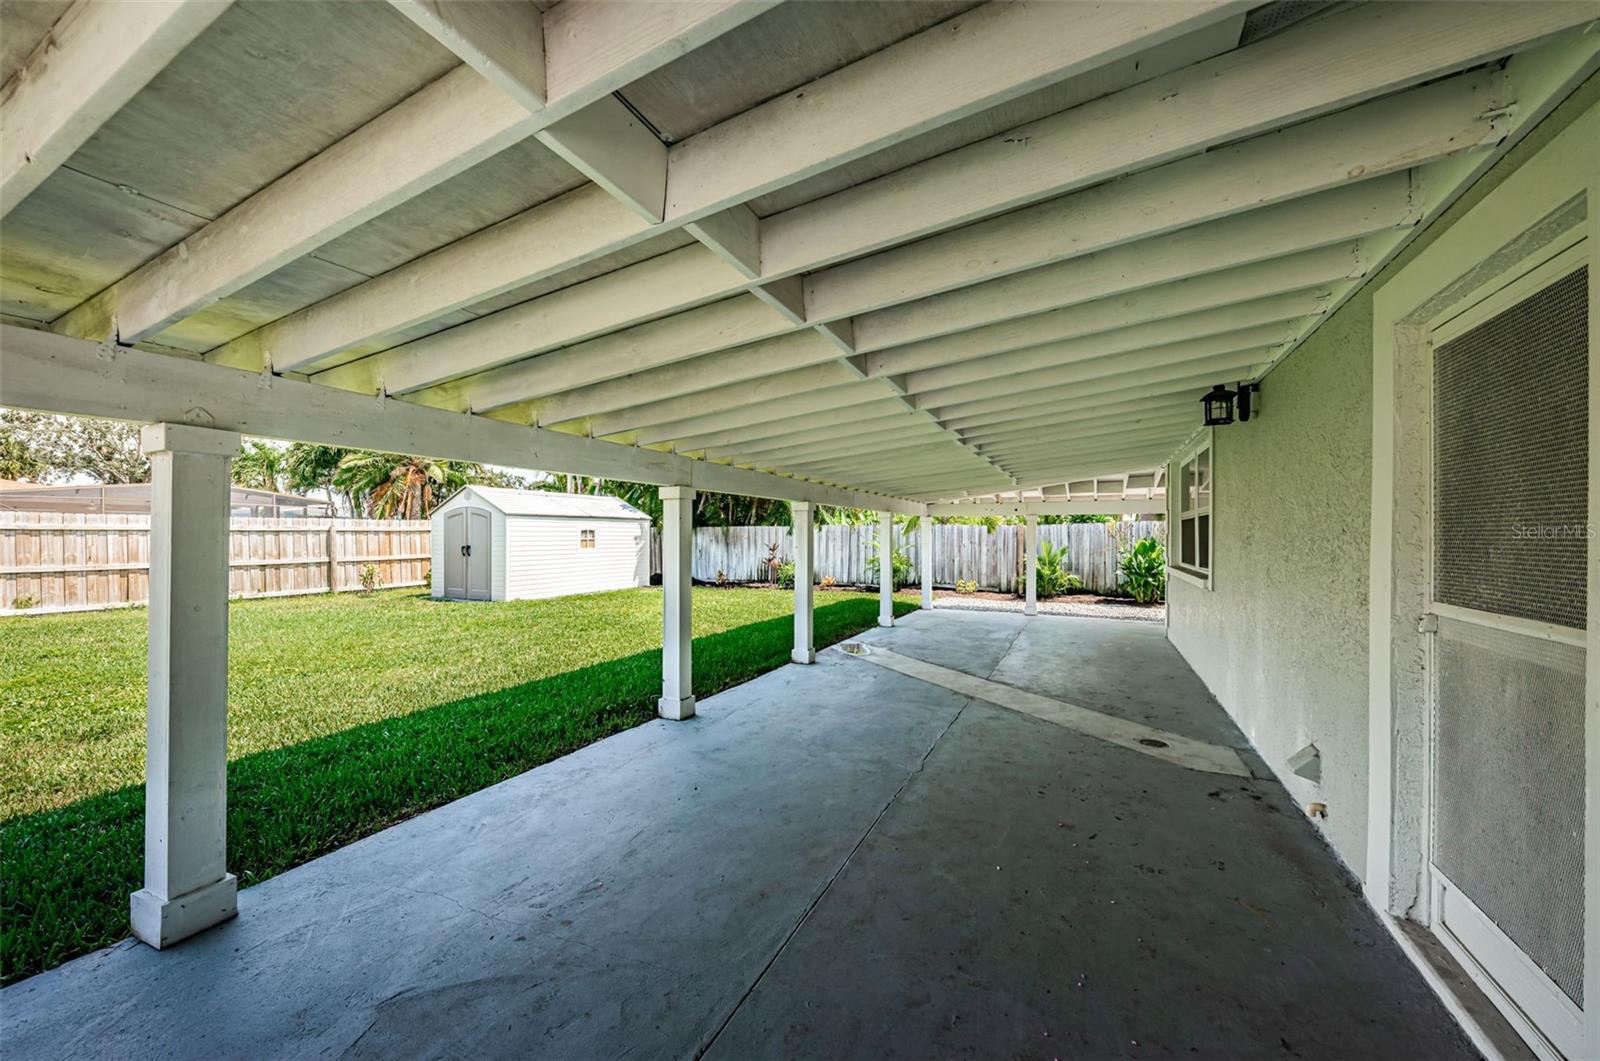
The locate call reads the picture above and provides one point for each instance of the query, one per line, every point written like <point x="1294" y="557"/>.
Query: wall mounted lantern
<point x="1221" y="404"/>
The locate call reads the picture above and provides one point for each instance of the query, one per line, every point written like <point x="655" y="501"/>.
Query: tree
<point x="312" y="467"/>
<point x="260" y="465"/>
<point x="391" y="486"/>
<point x="56" y="448"/>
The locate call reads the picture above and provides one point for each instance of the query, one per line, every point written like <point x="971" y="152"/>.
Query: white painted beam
<point x="187" y="886"/>
<point x="1308" y="70"/>
<point x="842" y="400"/>
<point x="97" y="57"/>
<point x="754" y="396"/>
<point x="436" y="133"/>
<point x="610" y="43"/>
<point x="604" y="362"/>
<point x="54" y="373"/>
<point x="1130" y="396"/>
<point x="735" y="236"/>
<point x="805" y="547"/>
<point x="1313" y="270"/>
<point x="503" y="40"/>
<point x="1226" y="366"/>
<point x="1280" y="310"/>
<point x="1261" y="337"/>
<point x="1377" y="138"/>
<point x="610" y="145"/>
<point x="677" y="591"/>
<point x="1266" y="236"/>
<point x="984" y="57"/>
<point x="800" y="427"/>
<point x="1038" y="508"/>
<point x="904" y="427"/>
<point x="741" y="365"/>
<point x="1089" y="422"/>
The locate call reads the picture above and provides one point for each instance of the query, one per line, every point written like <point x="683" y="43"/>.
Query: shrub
<point x="371" y="579"/>
<point x="22" y="604"/>
<point x="899" y="562"/>
<point x="1142" y="569"/>
<point x="828" y="582"/>
<point x="785" y="576"/>
<point x="966" y="585"/>
<point x="1053" y="578"/>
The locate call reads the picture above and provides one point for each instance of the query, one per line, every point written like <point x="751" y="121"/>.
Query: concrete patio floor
<point x="835" y="860"/>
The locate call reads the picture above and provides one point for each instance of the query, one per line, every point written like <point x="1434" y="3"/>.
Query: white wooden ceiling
<point x="932" y="250"/>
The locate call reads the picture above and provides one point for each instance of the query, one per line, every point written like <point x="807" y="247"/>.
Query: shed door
<point x="479" y="555"/>
<point x="1509" y="592"/>
<point x="455" y="553"/>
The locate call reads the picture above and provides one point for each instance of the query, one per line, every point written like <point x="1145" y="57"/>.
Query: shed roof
<point x="547" y="503"/>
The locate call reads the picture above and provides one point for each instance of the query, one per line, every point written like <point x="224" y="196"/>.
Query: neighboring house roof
<point x="546" y="503"/>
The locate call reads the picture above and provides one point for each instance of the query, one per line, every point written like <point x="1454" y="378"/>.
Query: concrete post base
<point x="885" y="620"/>
<point x="676" y="709"/>
<point x="796" y="656"/>
<point x="163" y="922"/>
<point x="1030" y="609"/>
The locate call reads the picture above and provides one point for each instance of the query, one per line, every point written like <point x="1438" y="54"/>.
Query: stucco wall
<point x="1281" y="637"/>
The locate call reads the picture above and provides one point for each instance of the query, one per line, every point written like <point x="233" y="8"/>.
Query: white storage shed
<point x="496" y="544"/>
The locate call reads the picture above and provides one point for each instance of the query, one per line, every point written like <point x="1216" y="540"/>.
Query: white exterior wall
<point x="1281" y="637"/>
<point x="543" y="558"/>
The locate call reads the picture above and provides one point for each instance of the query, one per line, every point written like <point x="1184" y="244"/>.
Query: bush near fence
<point x="991" y="558"/>
<point x="53" y="561"/>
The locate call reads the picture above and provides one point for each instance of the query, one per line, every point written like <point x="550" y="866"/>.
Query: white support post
<point x="187" y="887"/>
<point x="677" y="634"/>
<point x="805" y="647"/>
<point x="925" y="561"/>
<point x="1030" y="545"/>
<point x="886" y="569"/>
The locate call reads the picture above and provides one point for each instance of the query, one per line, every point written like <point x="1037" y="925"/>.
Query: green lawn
<point x="345" y="714"/>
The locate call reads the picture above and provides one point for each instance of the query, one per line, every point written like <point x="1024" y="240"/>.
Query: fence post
<point x="333" y="556"/>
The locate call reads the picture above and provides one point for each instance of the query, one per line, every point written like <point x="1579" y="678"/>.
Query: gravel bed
<point x="1099" y="609"/>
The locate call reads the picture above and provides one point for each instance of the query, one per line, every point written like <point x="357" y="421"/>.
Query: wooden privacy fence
<point x="71" y="562"/>
<point x="991" y="558"/>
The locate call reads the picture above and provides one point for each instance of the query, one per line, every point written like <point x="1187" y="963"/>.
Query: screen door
<point x="1509" y="587"/>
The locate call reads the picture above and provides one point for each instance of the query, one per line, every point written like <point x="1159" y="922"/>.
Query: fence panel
<point x="73" y="562"/>
<point x="991" y="558"/>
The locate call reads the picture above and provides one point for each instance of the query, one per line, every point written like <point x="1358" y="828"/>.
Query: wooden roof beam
<point x="96" y="58"/>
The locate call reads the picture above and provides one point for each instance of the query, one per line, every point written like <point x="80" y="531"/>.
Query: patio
<point x="836" y="859"/>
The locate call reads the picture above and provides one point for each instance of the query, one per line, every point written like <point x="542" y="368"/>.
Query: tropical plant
<point x="899" y="566"/>
<point x="390" y="486"/>
<point x="371" y="579"/>
<point x="785" y="575"/>
<point x="260" y="465"/>
<point x="966" y="585"/>
<point x="309" y="467"/>
<point x="1051" y="575"/>
<point x="1142" y="570"/>
<point x="827" y="582"/>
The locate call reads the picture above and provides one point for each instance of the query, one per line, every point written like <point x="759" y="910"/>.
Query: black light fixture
<point x="1221" y="404"/>
<point x="1218" y="403"/>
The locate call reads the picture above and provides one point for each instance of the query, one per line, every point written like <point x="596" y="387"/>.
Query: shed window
<point x="586" y="539"/>
<point x="1193" y="480"/>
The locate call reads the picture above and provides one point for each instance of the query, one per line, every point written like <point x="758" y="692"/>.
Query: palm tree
<point x="391" y="486"/>
<point x="312" y="467"/>
<point x="259" y="465"/>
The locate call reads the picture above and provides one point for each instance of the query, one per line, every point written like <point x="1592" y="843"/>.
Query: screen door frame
<point x="1548" y="1020"/>
<point x="1509" y="228"/>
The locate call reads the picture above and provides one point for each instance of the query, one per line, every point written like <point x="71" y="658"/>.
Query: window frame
<point x="1202" y="514"/>
<point x="587" y="539"/>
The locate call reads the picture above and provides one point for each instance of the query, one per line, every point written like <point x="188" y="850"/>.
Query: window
<point x="1193" y="481"/>
<point x="586" y="539"/>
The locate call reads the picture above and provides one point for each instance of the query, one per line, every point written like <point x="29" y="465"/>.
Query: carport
<point x="927" y="259"/>
<point x="830" y="860"/>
